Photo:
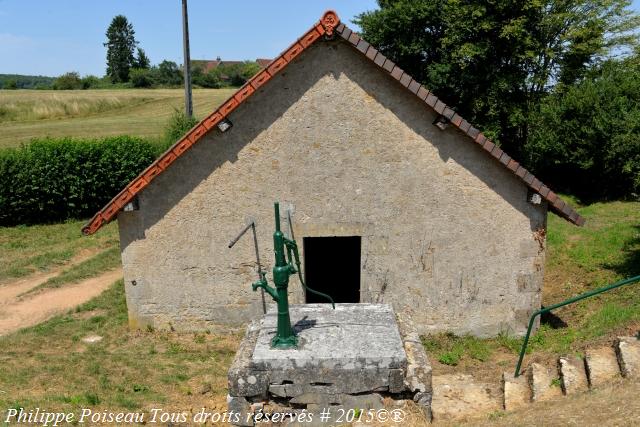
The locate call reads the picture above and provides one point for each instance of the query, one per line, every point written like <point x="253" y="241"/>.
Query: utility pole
<point x="188" y="106"/>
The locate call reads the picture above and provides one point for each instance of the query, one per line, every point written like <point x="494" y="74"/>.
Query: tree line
<point x="129" y="66"/>
<point x="556" y="83"/>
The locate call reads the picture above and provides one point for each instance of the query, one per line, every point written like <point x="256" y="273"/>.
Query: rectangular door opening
<point x="332" y="266"/>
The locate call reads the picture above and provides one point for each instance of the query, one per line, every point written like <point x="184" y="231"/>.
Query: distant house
<point x="395" y="198"/>
<point x="208" y="65"/>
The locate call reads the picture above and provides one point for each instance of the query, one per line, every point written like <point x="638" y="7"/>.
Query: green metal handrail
<point x="562" y="304"/>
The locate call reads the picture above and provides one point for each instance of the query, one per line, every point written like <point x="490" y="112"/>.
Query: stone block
<point x="242" y="379"/>
<point x="602" y="366"/>
<point x="423" y="401"/>
<point x="242" y="406"/>
<point x="457" y="396"/>
<point x="573" y="376"/>
<point x="517" y="392"/>
<point x="419" y="372"/>
<point x="248" y="383"/>
<point x="396" y="380"/>
<point x="541" y="380"/>
<point x="628" y="353"/>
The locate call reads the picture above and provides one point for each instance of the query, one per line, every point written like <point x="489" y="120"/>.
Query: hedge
<point x="50" y="179"/>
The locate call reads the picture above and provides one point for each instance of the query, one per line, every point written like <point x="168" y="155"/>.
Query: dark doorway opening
<point x="332" y="266"/>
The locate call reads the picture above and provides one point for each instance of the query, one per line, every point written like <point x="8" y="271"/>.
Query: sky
<point x="45" y="37"/>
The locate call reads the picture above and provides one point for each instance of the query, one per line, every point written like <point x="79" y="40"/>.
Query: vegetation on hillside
<point x="18" y="81"/>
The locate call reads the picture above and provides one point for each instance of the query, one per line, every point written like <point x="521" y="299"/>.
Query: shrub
<point x="56" y="179"/>
<point x="90" y="81"/>
<point x="141" y="77"/>
<point x="178" y="125"/>
<point x="68" y="81"/>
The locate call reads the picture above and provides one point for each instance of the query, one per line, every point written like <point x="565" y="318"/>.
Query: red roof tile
<point x="328" y="24"/>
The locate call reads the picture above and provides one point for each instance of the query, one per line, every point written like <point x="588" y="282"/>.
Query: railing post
<point x="562" y="304"/>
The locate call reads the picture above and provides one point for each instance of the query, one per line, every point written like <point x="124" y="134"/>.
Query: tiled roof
<point x="328" y="26"/>
<point x="263" y="62"/>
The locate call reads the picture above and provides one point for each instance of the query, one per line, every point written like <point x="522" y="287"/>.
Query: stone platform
<point x="348" y="358"/>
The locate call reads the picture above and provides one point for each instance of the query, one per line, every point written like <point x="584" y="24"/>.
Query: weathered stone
<point x="573" y="377"/>
<point x="361" y="159"/>
<point x="396" y="380"/>
<point x="355" y="348"/>
<point x="242" y="379"/>
<point x="92" y="339"/>
<point x="241" y="406"/>
<point x="423" y="401"/>
<point x="347" y="357"/>
<point x="602" y="366"/>
<point x="456" y="396"/>
<point x="541" y="382"/>
<point x="628" y="353"/>
<point x="418" y="377"/>
<point x="517" y="392"/>
<point x="362" y="401"/>
<point x="278" y="390"/>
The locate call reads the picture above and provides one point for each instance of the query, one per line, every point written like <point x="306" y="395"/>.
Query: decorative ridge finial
<point x="329" y="21"/>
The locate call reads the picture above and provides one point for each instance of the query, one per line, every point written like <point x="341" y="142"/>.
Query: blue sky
<point x="48" y="37"/>
<point x="52" y="37"/>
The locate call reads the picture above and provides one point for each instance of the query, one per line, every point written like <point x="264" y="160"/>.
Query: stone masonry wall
<point x="448" y="237"/>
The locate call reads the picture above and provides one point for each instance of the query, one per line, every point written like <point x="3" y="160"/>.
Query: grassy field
<point x="39" y="248"/>
<point x="25" y="114"/>
<point x="49" y="366"/>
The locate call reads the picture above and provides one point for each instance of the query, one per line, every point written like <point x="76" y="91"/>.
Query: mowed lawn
<point x="25" y="114"/>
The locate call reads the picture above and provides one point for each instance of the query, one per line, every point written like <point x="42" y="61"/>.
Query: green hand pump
<point x="286" y="253"/>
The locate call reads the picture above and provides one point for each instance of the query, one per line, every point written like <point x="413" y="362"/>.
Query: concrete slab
<point x="602" y="366"/>
<point x="628" y="352"/>
<point x="456" y="396"/>
<point x="542" y="383"/>
<point x="573" y="376"/>
<point x="517" y="392"/>
<point x="353" y="336"/>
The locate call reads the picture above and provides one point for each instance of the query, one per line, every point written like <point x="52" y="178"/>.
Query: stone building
<point x="395" y="199"/>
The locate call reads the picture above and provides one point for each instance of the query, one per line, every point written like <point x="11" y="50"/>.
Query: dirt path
<point x="16" y="315"/>
<point x="9" y="290"/>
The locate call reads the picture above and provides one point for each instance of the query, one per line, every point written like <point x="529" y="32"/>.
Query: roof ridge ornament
<point x="330" y="21"/>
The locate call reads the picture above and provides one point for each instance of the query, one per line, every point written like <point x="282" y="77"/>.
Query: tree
<point x="141" y="60"/>
<point x="120" y="45"/>
<point x="141" y="78"/>
<point x="169" y="73"/>
<point x="494" y="60"/>
<point x="68" y="81"/>
<point x="585" y="138"/>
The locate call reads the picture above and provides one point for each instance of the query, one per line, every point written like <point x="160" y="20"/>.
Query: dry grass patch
<point x="48" y="366"/>
<point x="27" y="114"/>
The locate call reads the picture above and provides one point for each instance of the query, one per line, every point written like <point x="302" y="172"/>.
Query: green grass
<point x="450" y="349"/>
<point x="49" y="366"/>
<point x="104" y="261"/>
<point x="26" y="114"/>
<point x="28" y="249"/>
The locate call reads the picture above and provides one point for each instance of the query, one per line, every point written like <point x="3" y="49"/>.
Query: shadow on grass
<point x="552" y="320"/>
<point x="630" y="265"/>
